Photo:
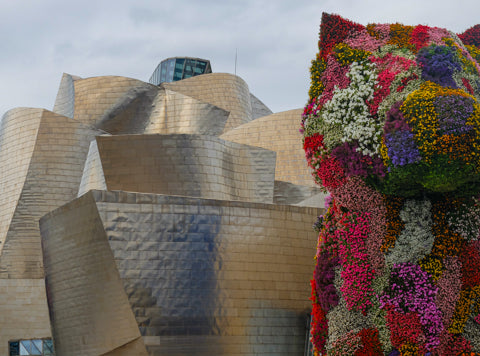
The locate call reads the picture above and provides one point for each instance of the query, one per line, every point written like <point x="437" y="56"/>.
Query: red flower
<point x="312" y="144"/>
<point x="419" y="36"/>
<point x="471" y="36"/>
<point x="370" y="343"/>
<point x="331" y="173"/>
<point x="467" y="85"/>
<point x="470" y="259"/>
<point x="319" y="325"/>
<point x="333" y="30"/>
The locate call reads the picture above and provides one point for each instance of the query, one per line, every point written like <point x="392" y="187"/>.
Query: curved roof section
<point x="208" y="104"/>
<point x="227" y="91"/>
<point x="278" y="132"/>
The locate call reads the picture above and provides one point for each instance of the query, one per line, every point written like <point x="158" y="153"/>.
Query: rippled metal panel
<point x="51" y="179"/>
<point x="121" y="105"/>
<point x="259" y="109"/>
<point x="18" y="132"/>
<point x="105" y="102"/>
<point x="189" y="165"/>
<point x="90" y="311"/>
<point x="42" y="156"/>
<point x="224" y="90"/>
<point x="278" y="132"/>
<point x="65" y="101"/>
<point x="92" y="176"/>
<point x="174" y="112"/>
<point x="23" y="311"/>
<point x="203" y="277"/>
<point x="292" y="194"/>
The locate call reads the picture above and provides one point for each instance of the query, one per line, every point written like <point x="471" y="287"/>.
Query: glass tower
<point x="178" y="68"/>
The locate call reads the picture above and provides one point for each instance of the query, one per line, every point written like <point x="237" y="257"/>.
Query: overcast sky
<point x="275" y="40"/>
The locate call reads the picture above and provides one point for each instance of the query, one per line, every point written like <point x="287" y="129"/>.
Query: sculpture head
<point x="396" y="106"/>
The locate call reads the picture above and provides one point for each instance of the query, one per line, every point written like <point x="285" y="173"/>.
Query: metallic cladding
<point x="203" y="277"/>
<point x="132" y="273"/>
<point x="42" y="156"/>
<point x="189" y="165"/>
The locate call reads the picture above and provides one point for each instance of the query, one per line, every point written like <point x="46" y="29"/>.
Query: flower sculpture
<point x="392" y="132"/>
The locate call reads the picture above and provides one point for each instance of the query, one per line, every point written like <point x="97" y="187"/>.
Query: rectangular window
<point x="40" y="347"/>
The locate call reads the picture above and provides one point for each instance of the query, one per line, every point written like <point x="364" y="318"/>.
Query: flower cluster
<point x="392" y="131"/>
<point x="357" y="273"/>
<point x="370" y="344"/>
<point x="404" y="97"/>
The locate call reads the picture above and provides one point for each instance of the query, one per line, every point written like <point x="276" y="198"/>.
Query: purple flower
<point x="324" y="276"/>
<point x="395" y="120"/>
<point x="402" y="149"/>
<point x="438" y="65"/>
<point x="452" y="113"/>
<point x="355" y="163"/>
<point x="411" y="290"/>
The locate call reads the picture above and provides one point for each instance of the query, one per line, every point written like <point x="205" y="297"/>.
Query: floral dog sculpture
<point x="392" y="132"/>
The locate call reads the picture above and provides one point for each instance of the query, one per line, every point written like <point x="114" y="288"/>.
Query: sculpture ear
<point x="334" y="29"/>
<point x="471" y="36"/>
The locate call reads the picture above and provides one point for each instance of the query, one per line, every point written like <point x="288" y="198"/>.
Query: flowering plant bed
<point x="392" y="132"/>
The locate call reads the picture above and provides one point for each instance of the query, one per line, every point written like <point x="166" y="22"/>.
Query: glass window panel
<point x="177" y="76"/>
<point x="24" y="346"/>
<point x="200" y="67"/>
<point x="36" y="347"/>
<point x="14" y="348"/>
<point x="47" y="347"/>
<point x="179" y="63"/>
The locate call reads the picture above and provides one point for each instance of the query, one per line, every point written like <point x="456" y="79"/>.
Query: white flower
<point x="348" y="108"/>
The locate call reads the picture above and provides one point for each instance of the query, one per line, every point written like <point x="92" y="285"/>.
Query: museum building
<point x="170" y="218"/>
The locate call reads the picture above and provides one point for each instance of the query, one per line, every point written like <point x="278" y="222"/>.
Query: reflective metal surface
<point x="136" y="274"/>
<point x="223" y="90"/>
<point x="42" y="156"/>
<point x="203" y="277"/>
<point x="278" y="132"/>
<point x="189" y="165"/>
<point x="90" y="311"/>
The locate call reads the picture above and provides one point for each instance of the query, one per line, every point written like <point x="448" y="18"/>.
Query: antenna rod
<point x="235" y="61"/>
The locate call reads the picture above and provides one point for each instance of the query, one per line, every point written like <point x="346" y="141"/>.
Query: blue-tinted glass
<point x="31" y="347"/>
<point x="47" y="347"/>
<point x="25" y="347"/>
<point x="200" y="67"/>
<point x="177" y="76"/>
<point x="179" y="63"/>
<point x="14" y="348"/>
<point x="36" y="347"/>
<point x="164" y="73"/>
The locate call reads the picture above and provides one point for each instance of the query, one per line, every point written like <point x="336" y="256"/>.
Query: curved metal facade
<point x="42" y="156"/>
<point x="203" y="277"/>
<point x="182" y="248"/>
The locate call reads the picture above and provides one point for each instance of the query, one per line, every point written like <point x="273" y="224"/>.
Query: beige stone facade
<point x="177" y="220"/>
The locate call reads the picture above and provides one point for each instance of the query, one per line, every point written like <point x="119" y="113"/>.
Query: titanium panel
<point x="224" y="90"/>
<point x="18" y="132"/>
<point x="42" y="156"/>
<point x="51" y="180"/>
<point x="278" y="132"/>
<point x="181" y="114"/>
<point x="92" y="176"/>
<point x="292" y="194"/>
<point x="203" y="277"/>
<point x="188" y="165"/>
<point x="259" y="109"/>
<point x="90" y="312"/>
<point x="65" y="101"/>
<point x="105" y="102"/>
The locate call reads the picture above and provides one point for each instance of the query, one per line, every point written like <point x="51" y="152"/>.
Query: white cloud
<point x="275" y="39"/>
